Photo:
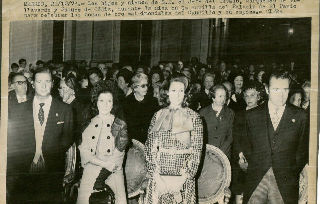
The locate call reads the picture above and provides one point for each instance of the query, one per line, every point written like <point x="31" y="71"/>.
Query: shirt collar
<point x="46" y="101"/>
<point x="273" y="108"/>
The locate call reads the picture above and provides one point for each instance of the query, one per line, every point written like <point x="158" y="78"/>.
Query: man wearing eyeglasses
<point x="20" y="88"/>
<point x="39" y="133"/>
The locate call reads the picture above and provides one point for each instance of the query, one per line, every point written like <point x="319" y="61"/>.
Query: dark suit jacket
<point x="286" y="153"/>
<point x="218" y="131"/>
<point x="21" y="142"/>
<point x="201" y="99"/>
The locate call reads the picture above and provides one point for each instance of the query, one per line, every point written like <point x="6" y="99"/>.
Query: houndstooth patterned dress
<point x="170" y="156"/>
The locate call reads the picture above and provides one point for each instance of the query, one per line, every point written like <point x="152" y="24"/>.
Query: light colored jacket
<point x="90" y="138"/>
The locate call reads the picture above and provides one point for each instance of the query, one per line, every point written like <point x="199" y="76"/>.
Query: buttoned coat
<point x="90" y="138"/>
<point x="218" y="130"/>
<point x="286" y="152"/>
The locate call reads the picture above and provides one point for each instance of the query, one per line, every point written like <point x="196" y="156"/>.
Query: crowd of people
<point x="257" y="115"/>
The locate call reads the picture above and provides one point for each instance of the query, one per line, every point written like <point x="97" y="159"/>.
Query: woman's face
<point x="140" y="70"/>
<point x="141" y="88"/>
<point x="306" y="90"/>
<point x="84" y="83"/>
<point x="105" y="103"/>
<point x="176" y="93"/>
<point x="260" y="75"/>
<point x="296" y="99"/>
<point x="238" y="82"/>
<point x="64" y="89"/>
<point x="220" y="97"/>
<point x="155" y="78"/>
<point x="121" y="83"/>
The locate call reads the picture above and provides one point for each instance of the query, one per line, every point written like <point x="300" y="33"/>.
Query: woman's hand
<point x="243" y="162"/>
<point x="144" y="184"/>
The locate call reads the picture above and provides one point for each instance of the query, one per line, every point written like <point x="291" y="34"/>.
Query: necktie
<point x="41" y="114"/>
<point x="276" y="119"/>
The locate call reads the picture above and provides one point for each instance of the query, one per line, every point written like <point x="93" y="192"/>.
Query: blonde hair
<point x="137" y="78"/>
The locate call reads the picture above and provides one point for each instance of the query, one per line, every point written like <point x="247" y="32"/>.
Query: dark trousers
<point x="36" y="188"/>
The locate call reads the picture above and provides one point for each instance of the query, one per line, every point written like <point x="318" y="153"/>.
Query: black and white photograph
<point x="179" y="111"/>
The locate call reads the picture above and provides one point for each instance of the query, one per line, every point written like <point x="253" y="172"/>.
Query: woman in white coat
<point x="102" y="150"/>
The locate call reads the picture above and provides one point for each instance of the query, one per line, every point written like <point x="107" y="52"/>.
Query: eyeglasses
<point x="21" y="82"/>
<point x="142" y="85"/>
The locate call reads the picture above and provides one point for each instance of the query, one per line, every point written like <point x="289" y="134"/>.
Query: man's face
<point x="251" y="96"/>
<point x="103" y="69"/>
<point x="94" y="79"/>
<point x="23" y="64"/>
<point x="278" y="91"/>
<point x="20" y="85"/>
<point x="15" y="69"/>
<point x="208" y="82"/>
<point x="43" y="84"/>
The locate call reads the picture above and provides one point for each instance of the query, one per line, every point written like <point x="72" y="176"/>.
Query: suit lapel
<point x="50" y="122"/>
<point x="285" y="119"/>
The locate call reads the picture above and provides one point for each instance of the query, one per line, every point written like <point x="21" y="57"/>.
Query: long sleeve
<point x="197" y="145"/>
<point x="122" y="137"/>
<point x="67" y="139"/>
<point x="85" y="151"/>
<point x="150" y="163"/>
<point x="302" y="150"/>
<point x="226" y="145"/>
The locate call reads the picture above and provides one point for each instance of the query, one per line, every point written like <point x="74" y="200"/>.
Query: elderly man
<point x="39" y="133"/>
<point x="19" y="85"/>
<point x="274" y="142"/>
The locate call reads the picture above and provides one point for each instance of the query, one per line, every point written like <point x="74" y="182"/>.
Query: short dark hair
<point x="22" y="60"/>
<point x="42" y="70"/>
<point x="213" y="90"/>
<point x="14" y="65"/>
<point x="39" y="62"/>
<point x="12" y="76"/>
<point x="279" y="74"/>
<point x="95" y="71"/>
<point x="252" y="85"/>
<point x="126" y="74"/>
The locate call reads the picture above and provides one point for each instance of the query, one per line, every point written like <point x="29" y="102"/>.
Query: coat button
<point x="96" y="125"/>
<point x="91" y="150"/>
<point x="108" y="125"/>
<point x="108" y="150"/>
<point x="93" y="137"/>
<point x="216" y="128"/>
<point x="108" y="137"/>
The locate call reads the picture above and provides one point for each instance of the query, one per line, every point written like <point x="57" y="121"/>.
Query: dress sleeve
<point x="122" y="138"/>
<point x="149" y="145"/>
<point x="196" y="146"/>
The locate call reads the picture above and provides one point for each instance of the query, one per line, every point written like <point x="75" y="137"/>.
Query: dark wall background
<point x="268" y="40"/>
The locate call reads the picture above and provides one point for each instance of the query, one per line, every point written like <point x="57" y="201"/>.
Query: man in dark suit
<point x="274" y="142"/>
<point x="202" y="99"/>
<point x="39" y="133"/>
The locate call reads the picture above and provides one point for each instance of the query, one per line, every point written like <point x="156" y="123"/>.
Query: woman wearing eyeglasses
<point x="139" y="108"/>
<point x="173" y="150"/>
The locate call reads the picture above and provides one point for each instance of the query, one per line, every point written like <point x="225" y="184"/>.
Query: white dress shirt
<point x="275" y="113"/>
<point x="38" y="128"/>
